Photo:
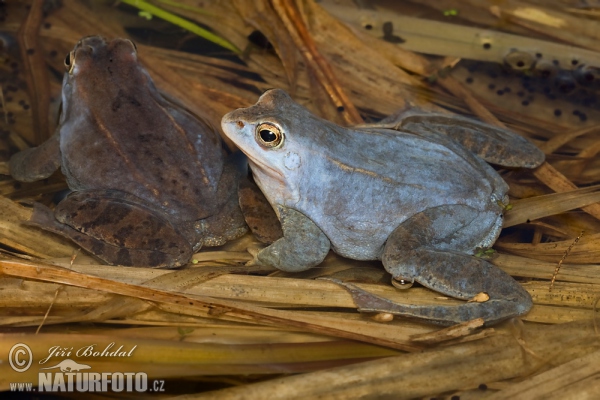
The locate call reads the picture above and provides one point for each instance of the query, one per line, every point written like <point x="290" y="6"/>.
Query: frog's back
<point x="144" y="145"/>
<point x="363" y="184"/>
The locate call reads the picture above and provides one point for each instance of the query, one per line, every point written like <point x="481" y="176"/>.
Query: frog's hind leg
<point x="115" y="229"/>
<point x="431" y="248"/>
<point x="493" y="144"/>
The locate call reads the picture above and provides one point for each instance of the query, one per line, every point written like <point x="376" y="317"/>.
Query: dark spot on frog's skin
<point x="557" y="112"/>
<point x="116" y="104"/>
<point x="482" y="386"/>
<point x="123" y="96"/>
<point x="123" y="257"/>
<point x="455" y="397"/>
<point x="368" y="27"/>
<point x="240" y="124"/>
<point x="340" y="109"/>
<point x="112" y="213"/>
<point x="123" y="234"/>
<point x="500" y="92"/>
<point x="525" y="103"/>
<point x="528" y="221"/>
<point x="156" y="258"/>
<point x="487" y="46"/>
<point x="97" y="247"/>
<point x="30" y="51"/>
<point x="156" y="243"/>
<point x="538" y="55"/>
<point x="158" y="161"/>
<point x="469" y="80"/>
<point x="185" y="173"/>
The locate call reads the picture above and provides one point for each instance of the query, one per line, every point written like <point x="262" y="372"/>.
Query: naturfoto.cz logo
<point x="68" y="375"/>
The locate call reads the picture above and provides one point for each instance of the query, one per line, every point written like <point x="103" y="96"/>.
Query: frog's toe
<point x="254" y="253"/>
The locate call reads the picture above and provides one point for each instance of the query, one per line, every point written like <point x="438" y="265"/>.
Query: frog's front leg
<point x="36" y="163"/>
<point x="302" y="246"/>
<point x="430" y="248"/>
<point x="117" y="228"/>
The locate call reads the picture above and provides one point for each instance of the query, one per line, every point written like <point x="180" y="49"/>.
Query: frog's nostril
<point x="240" y="124"/>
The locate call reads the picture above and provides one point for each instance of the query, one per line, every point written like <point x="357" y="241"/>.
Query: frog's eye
<point x="70" y="61"/>
<point x="269" y="135"/>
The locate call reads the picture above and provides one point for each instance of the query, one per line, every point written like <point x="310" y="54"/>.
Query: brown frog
<point x="151" y="182"/>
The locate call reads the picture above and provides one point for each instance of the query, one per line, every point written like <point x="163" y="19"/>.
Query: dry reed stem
<point x="188" y="302"/>
<point x="35" y="71"/>
<point x="429" y="372"/>
<point x="293" y="21"/>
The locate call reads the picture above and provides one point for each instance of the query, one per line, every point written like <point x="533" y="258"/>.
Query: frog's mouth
<point x="258" y="165"/>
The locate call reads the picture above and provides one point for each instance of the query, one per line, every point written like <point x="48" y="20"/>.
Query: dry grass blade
<point x="449" y="333"/>
<point x="533" y="208"/>
<point x="186" y="302"/>
<point x="35" y="71"/>
<point x="586" y="251"/>
<point x="429" y="372"/>
<point x="292" y="18"/>
<point x="558" y="382"/>
<point x="184" y="352"/>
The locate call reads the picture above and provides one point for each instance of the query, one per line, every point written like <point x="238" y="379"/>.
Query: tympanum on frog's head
<point x="411" y="194"/>
<point x="151" y="181"/>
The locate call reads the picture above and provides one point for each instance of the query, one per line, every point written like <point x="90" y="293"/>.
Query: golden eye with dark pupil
<point x="68" y="60"/>
<point x="268" y="135"/>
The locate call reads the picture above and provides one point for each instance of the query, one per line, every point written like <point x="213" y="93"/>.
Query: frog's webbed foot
<point x="419" y="250"/>
<point x="115" y="229"/>
<point x="302" y="246"/>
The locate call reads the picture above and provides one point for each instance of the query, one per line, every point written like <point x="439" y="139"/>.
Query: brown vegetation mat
<point x="248" y="331"/>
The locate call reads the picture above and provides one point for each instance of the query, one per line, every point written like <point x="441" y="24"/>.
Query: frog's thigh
<point x="117" y="229"/>
<point x="418" y="250"/>
<point x="302" y="246"/>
